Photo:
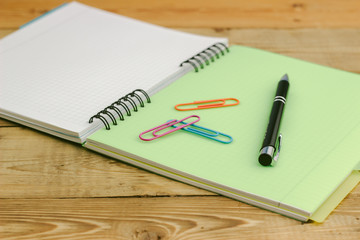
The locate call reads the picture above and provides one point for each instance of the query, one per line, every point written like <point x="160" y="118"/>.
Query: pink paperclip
<point x="166" y="125"/>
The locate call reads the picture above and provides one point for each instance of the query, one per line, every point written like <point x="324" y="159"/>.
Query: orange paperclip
<point x="215" y="103"/>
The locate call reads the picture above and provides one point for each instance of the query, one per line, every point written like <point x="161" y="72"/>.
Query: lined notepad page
<point x="65" y="67"/>
<point x="320" y="128"/>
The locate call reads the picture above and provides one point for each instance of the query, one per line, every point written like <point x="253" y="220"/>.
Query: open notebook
<point x="320" y="128"/>
<point x="59" y="71"/>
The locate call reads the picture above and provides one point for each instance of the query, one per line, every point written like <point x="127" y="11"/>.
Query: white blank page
<point x="65" y="67"/>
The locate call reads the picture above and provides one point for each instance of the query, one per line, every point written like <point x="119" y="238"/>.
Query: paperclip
<point x="208" y="133"/>
<point x="166" y="125"/>
<point x="215" y="103"/>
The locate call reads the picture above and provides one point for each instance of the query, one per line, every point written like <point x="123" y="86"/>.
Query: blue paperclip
<point x="208" y="133"/>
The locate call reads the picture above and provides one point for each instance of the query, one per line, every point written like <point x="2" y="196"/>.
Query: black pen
<point x="272" y="141"/>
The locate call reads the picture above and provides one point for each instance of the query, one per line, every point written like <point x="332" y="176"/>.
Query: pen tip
<point x="285" y="77"/>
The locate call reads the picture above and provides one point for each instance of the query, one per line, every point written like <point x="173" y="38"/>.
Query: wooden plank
<point x="165" y="218"/>
<point x="338" y="48"/>
<point x="6" y="123"/>
<point x="37" y="165"/>
<point x="210" y="13"/>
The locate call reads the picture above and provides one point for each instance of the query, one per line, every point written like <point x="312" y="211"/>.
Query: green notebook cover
<point x="320" y="129"/>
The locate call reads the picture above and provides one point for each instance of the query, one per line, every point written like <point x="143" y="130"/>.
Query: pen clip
<point x="278" y="147"/>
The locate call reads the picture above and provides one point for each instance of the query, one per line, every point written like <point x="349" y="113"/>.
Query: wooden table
<point x="54" y="189"/>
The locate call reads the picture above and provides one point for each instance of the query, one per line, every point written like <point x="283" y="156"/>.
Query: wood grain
<point x="54" y="189"/>
<point x="163" y="218"/>
<point x="210" y="13"/>
<point x="337" y="48"/>
<point x="5" y="123"/>
<point x="37" y="165"/>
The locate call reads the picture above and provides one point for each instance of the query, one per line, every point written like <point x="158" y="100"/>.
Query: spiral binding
<point x="121" y="102"/>
<point x="206" y="56"/>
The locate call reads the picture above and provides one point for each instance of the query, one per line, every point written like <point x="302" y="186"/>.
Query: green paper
<point x="335" y="198"/>
<point x="320" y="127"/>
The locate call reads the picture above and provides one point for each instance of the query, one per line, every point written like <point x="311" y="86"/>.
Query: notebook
<point x="320" y="128"/>
<point x="75" y="64"/>
<point x="58" y="71"/>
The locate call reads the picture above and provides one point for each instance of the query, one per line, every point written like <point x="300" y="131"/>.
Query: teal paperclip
<point x="206" y="132"/>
